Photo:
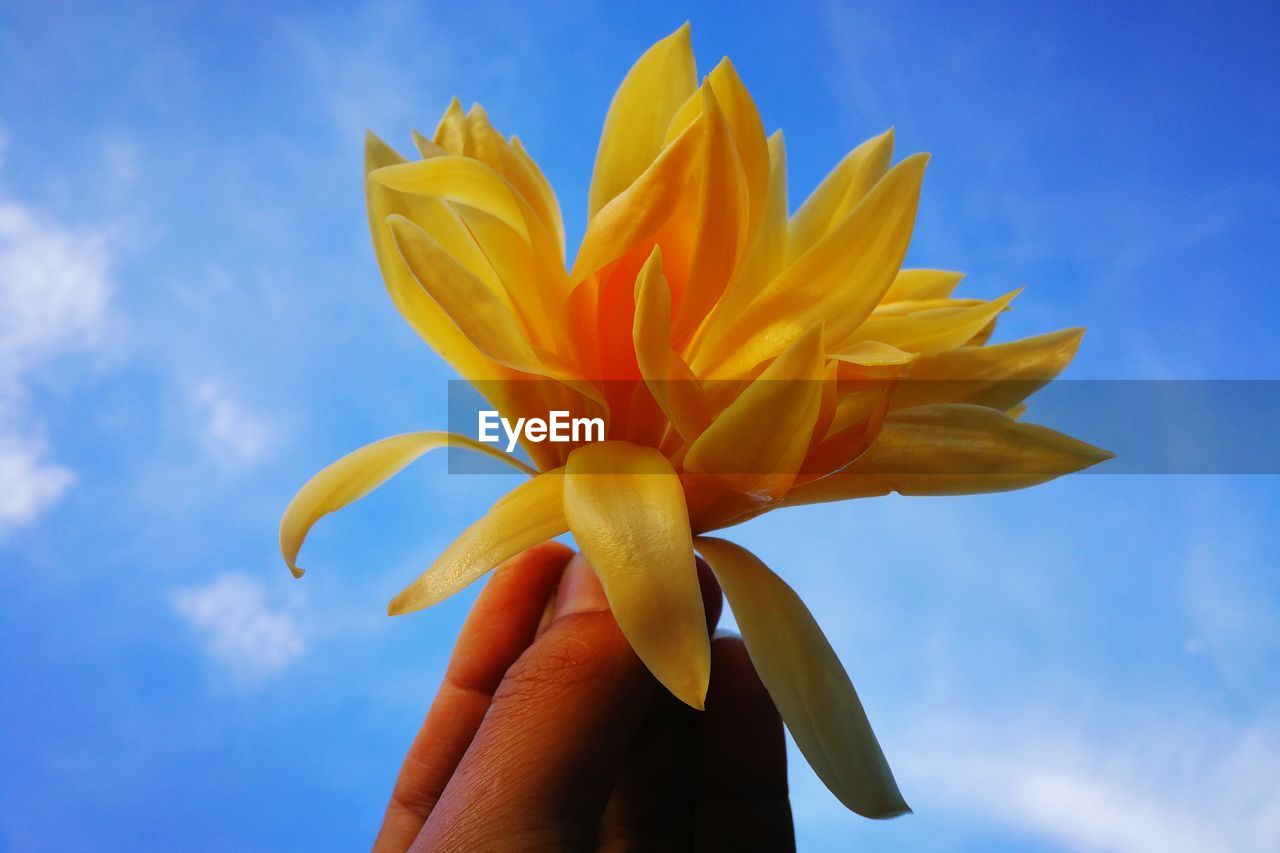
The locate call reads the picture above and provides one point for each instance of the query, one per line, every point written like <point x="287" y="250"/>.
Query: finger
<point x="741" y="801"/>
<point x="540" y="769"/>
<point x="651" y="807"/>
<point x="499" y="628"/>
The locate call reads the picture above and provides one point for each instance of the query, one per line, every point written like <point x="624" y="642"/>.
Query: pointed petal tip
<point x="379" y="176"/>
<point x="695" y="695"/>
<point x="897" y="810"/>
<point x="399" y="605"/>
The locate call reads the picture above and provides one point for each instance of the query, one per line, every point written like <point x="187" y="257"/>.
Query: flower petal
<point x="531" y="513"/>
<point x="804" y="677"/>
<point x="462" y="180"/>
<point x="483" y="316"/>
<point x="747" y="130"/>
<point x="760" y="440"/>
<point x="840" y="192"/>
<point x="953" y="449"/>
<point x="997" y="376"/>
<point x="932" y="330"/>
<point x="636" y="125"/>
<point x="359" y="473"/>
<point x="922" y="284"/>
<point x="510" y="161"/>
<point x="839" y="281"/>
<point x="721" y="231"/>
<point x="768" y="250"/>
<point x="668" y="379"/>
<point x="422" y="312"/>
<point x="627" y="512"/>
<point x="640" y="210"/>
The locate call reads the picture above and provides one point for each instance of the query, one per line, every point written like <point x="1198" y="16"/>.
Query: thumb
<point x="541" y="768"/>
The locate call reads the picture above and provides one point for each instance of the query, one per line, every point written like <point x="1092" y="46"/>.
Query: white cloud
<point x="28" y="482"/>
<point x="54" y="287"/>
<point x="54" y="290"/>
<point x="231" y="433"/>
<point x="240" y="631"/>
<point x="1171" y="785"/>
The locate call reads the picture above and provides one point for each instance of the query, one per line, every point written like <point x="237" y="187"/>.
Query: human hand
<point x="548" y="733"/>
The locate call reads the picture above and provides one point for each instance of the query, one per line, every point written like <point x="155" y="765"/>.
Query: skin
<point x="548" y="733"/>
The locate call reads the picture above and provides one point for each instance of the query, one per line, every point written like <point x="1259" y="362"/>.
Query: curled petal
<point x="804" y="677"/>
<point x="626" y="509"/>
<point x="359" y="473"/>
<point x="462" y="180"/>
<point x="531" y="513"/>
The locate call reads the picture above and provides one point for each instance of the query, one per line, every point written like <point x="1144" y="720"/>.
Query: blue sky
<point x="191" y="323"/>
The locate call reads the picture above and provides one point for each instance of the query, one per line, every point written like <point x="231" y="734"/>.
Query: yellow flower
<point x="743" y="359"/>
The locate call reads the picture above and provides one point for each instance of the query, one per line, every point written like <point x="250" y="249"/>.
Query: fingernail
<point x="580" y="590"/>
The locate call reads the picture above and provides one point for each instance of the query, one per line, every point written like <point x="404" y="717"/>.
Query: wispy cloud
<point x="238" y="629"/>
<point x="1168" y="784"/>
<point x="28" y="481"/>
<point x="55" y="286"/>
<point x="231" y="433"/>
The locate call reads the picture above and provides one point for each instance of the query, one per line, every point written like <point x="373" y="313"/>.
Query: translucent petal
<point x="808" y="685"/>
<point x="636" y="125"/>
<point x="626" y="509"/>
<point x="531" y="513"/>
<point x="359" y="473"/>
